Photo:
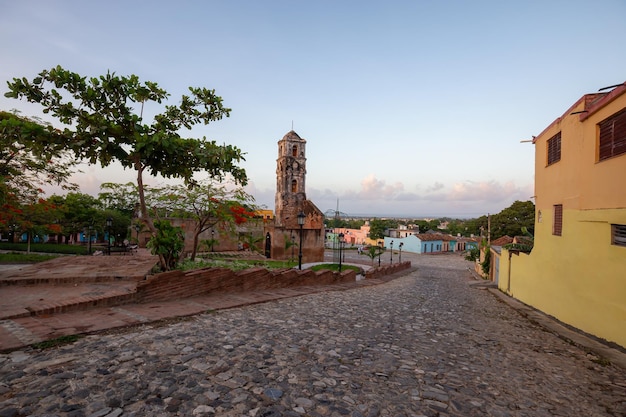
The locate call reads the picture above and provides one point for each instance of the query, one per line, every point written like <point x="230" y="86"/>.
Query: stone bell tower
<point x="290" y="178"/>
<point x="290" y="202"/>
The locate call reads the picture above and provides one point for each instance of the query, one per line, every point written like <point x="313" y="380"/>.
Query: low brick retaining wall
<point x="385" y="270"/>
<point x="179" y="284"/>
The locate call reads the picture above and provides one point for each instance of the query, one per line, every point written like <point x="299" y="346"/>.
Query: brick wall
<point x="178" y="284"/>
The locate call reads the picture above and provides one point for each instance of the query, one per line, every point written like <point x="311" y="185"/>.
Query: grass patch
<point x="23" y="258"/>
<point x="63" y="340"/>
<point x="335" y="267"/>
<point x="233" y="264"/>
<point x="46" y="248"/>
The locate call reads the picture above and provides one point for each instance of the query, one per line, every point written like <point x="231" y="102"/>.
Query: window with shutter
<point x="612" y="140"/>
<point x="557" y="225"/>
<point x="554" y="149"/>
<point x="618" y="234"/>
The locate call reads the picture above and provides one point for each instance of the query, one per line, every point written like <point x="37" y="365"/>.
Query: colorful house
<point x="576" y="271"/>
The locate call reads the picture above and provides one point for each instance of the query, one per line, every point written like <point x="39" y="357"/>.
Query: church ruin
<point x="290" y="202"/>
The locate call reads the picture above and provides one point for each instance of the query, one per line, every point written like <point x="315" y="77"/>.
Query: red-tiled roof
<point x="501" y="241"/>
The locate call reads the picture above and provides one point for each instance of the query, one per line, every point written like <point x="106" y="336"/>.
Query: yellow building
<point x="576" y="271"/>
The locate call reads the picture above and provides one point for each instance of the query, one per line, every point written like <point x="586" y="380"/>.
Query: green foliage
<point x="373" y="252"/>
<point x="32" y="154"/>
<point x="252" y="241"/>
<point x="486" y="263"/>
<point x="512" y="220"/>
<point x="23" y="258"/>
<point x="168" y="243"/>
<point x="426" y="225"/>
<point x="120" y="197"/>
<point x="106" y="128"/>
<point x="379" y="226"/>
<point x="232" y="264"/>
<point x="210" y="205"/>
<point x="45" y="248"/>
<point x="526" y="243"/>
<point x="335" y="267"/>
<point x="472" y="254"/>
<point x="59" y="341"/>
<point x="334" y="222"/>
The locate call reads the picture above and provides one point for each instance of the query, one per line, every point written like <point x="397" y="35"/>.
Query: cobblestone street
<point x="426" y="344"/>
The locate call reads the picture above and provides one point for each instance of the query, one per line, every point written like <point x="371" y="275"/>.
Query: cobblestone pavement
<point x="425" y="344"/>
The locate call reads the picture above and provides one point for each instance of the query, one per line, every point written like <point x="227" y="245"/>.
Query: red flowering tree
<point x="209" y="204"/>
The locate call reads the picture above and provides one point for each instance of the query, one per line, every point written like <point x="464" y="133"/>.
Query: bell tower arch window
<point x="294" y="186"/>
<point x="294" y="150"/>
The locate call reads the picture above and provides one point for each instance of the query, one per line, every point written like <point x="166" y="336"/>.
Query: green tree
<point x="76" y="212"/>
<point x="512" y="220"/>
<point x="104" y="127"/>
<point x="209" y="204"/>
<point x="167" y="243"/>
<point x="373" y="252"/>
<point x="31" y="155"/>
<point x="121" y="197"/>
<point x="378" y="227"/>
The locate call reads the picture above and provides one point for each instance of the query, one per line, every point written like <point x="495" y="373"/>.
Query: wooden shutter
<point x="612" y="141"/>
<point x="554" y="149"/>
<point x="618" y="234"/>
<point x="557" y="224"/>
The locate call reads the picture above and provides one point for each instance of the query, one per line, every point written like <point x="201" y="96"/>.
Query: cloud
<point x="482" y="191"/>
<point x="461" y="199"/>
<point x="435" y="187"/>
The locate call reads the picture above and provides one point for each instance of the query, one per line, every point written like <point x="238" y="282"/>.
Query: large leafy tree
<point x="378" y="227"/>
<point x="104" y="125"/>
<point x="513" y="220"/>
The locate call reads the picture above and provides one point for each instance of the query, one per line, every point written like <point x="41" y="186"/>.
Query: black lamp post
<point x="400" y="246"/>
<point x="340" y="249"/>
<point x="391" y="247"/>
<point x="90" y="228"/>
<point x="109" y="224"/>
<point x="137" y="228"/>
<point x="212" y="240"/>
<point x="301" y="217"/>
<point x="293" y="244"/>
<point x="380" y="251"/>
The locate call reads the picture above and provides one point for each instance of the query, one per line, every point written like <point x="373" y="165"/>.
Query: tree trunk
<point x="145" y="217"/>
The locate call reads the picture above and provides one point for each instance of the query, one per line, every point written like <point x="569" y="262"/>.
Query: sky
<point x="409" y="108"/>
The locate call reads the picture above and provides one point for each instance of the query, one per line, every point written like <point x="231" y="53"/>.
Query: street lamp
<point x="137" y="228"/>
<point x="401" y="244"/>
<point x="380" y="251"/>
<point x="293" y="244"/>
<point x="340" y="248"/>
<point x="391" y="247"/>
<point x="301" y="217"/>
<point x="212" y="240"/>
<point x="109" y="224"/>
<point x="90" y="228"/>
